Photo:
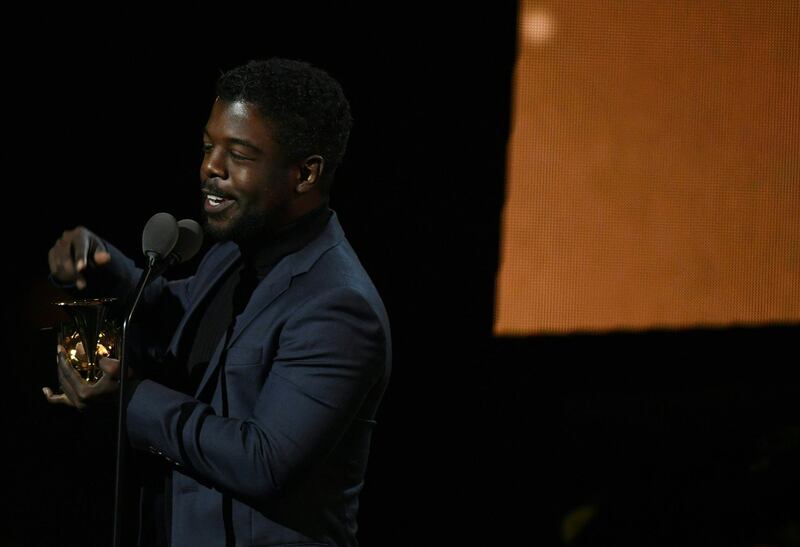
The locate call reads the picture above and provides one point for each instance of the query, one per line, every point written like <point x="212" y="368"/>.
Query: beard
<point x="243" y="228"/>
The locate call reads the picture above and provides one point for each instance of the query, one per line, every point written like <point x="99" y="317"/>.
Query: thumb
<point x="101" y="258"/>
<point x="110" y="367"/>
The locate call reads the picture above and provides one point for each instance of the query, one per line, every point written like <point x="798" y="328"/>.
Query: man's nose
<point x="213" y="164"/>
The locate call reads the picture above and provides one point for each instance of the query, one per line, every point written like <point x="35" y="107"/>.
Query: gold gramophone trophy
<point x="89" y="335"/>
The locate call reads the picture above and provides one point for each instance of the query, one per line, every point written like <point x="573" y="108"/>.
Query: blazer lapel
<point x="272" y="286"/>
<point x="281" y="276"/>
<point x="207" y="282"/>
<point x="264" y="294"/>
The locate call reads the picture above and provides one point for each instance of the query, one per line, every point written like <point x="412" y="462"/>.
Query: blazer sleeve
<point x="120" y="277"/>
<point x="163" y="305"/>
<point x="332" y="351"/>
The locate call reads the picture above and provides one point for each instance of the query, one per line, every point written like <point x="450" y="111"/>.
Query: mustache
<point x="211" y="186"/>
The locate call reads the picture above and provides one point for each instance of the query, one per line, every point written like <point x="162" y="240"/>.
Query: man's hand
<point x="73" y="252"/>
<point x="76" y="392"/>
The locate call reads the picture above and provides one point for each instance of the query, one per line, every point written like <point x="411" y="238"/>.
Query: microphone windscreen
<point x="160" y="235"/>
<point x="190" y="239"/>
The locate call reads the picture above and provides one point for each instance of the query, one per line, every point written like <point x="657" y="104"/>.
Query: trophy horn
<point x="89" y="322"/>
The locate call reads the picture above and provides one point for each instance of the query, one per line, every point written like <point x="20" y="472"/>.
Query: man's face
<point x="247" y="186"/>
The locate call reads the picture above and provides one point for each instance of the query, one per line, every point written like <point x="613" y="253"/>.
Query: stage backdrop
<point x="653" y="168"/>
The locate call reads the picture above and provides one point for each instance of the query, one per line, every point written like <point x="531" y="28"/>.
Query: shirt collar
<point x="286" y="241"/>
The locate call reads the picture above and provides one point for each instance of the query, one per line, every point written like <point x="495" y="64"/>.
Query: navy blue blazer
<point x="302" y="376"/>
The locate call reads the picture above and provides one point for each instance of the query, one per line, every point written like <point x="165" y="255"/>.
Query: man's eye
<point x="238" y="156"/>
<point x="207" y="146"/>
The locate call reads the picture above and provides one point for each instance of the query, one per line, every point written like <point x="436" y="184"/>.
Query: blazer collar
<point x="277" y="281"/>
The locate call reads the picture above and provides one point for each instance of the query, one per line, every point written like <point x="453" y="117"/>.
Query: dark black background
<point x="684" y="438"/>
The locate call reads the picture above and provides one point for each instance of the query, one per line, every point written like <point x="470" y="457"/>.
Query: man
<point x="262" y="399"/>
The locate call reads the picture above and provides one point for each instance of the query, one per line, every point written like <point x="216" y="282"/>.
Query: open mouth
<point x="216" y="204"/>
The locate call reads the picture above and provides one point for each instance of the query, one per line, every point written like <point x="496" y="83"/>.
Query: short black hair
<point x="305" y="105"/>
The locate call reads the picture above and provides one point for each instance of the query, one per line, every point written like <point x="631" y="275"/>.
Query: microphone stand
<point x="123" y="374"/>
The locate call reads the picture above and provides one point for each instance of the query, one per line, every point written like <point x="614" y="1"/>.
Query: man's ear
<point x="310" y="173"/>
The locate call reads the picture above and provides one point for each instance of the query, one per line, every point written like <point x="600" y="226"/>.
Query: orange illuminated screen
<point x="653" y="167"/>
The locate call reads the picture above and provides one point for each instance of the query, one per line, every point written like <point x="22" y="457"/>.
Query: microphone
<point x="159" y="237"/>
<point x="190" y="239"/>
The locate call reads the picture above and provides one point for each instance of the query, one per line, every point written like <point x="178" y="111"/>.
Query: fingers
<point x="108" y="384"/>
<point x="78" y="393"/>
<point x="70" y="381"/>
<point x="80" y="248"/>
<point x="60" y="260"/>
<point x="89" y="249"/>
<point x="80" y="252"/>
<point x="56" y="398"/>
<point x="102" y="257"/>
<point x="110" y="368"/>
<point x="74" y="251"/>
